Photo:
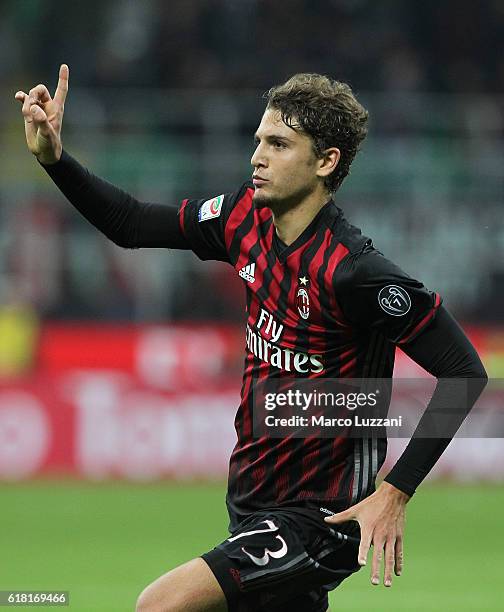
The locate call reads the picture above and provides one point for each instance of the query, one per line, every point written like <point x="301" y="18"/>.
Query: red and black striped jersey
<point x="327" y="306"/>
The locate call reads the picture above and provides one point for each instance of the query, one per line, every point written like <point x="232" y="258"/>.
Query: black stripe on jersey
<point x="324" y="299"/>
<point x="301" y="344"/>
<point x="271" y="461"/>
<point x="325" y="308"/>
<point x="255" y="252"/>
<point x="237" y="482"/>
<point x="234" y="469"/>
<point x="272" y="371"/>
<point x="263" y="230"/>
<point x="246" y="389"/>
<point x="263" y="291"/>
<point x="373" y="355"/>
<point x="243" y="484"/>
<point x="241" y="231"/>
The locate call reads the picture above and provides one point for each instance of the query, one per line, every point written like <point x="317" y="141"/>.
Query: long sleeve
<point x="444" y="351"/>
<point x="122" y="218"/>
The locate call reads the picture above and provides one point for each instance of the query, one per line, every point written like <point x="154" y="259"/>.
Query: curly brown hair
<point x="326" y="110"/>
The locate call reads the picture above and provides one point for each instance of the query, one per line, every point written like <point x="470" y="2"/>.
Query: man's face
<point x="284" y="163"/>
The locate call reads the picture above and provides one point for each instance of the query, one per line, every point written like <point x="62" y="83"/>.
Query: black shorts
<point x="284" y="560"/>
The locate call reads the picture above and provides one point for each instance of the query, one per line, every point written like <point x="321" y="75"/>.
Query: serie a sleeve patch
<point x="211" y="209"/>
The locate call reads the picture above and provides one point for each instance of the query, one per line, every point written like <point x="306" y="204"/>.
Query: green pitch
<point x="105" y="542"/>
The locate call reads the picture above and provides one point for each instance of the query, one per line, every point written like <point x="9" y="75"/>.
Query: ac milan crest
<point x="302" y="298"/>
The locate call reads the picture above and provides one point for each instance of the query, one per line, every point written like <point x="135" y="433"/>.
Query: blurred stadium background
<point x="120" y="370"/>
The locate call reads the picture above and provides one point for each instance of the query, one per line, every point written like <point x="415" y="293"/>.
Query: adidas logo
<point x="247" y="272"/>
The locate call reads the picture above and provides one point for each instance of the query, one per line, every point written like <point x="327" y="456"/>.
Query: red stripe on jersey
<point x="340" y="252"/>
<point x="243" y="420"/>
<point x="312" y="451"/>
<point x="423" y="322"/>
<point x="317" y="261"/>
<point x="181" y="216"/>
<point x="317" y="289"/>
<point x="261" y="369"/>
<point x="290" y="334"/>
<point x="247" y="421"/>
<point x="247" y="243"/>
<point x="281" y="448"/>
<point x="237" y="216"/>
<point x="259" y="474"/>
<point x="287" y="446"/>
<point x="349" y="362"/>
<point x="281" y="469"/>
<point x="348" y="370"/>
<point x="245" y="406"/>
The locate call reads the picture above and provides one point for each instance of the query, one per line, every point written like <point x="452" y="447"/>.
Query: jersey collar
<point x="283" y="251"/>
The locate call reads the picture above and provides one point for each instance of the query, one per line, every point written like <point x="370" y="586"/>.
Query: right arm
<point x="122" y="218"/>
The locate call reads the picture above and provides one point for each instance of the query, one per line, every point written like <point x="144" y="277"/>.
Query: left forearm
<point x="415" y="463"/>
<point x="444" y="351"/>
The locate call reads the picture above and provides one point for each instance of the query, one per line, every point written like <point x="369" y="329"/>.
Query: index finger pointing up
<point x="62" y="89"/>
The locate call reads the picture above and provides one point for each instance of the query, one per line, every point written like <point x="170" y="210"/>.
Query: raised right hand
<point x="43" y="118"/>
